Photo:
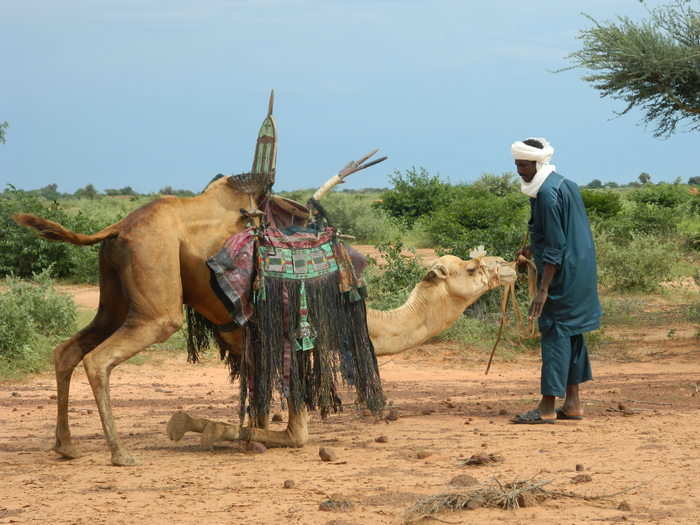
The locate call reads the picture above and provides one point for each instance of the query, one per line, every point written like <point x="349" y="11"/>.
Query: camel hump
<point x="55" y="232"/>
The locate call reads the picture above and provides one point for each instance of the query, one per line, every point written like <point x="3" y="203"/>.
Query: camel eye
<point x="471" y="270"/>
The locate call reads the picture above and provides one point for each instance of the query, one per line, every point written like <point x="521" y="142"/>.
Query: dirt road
<point x="447" y="411"/>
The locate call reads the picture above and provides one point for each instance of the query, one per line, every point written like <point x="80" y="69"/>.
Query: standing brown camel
<point x="151" y="263"/>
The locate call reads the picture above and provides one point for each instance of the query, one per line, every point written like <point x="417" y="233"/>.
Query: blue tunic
<point x="560" y="234"/>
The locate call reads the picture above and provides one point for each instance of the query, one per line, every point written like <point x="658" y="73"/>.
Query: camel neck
<point x="428" y="311"/>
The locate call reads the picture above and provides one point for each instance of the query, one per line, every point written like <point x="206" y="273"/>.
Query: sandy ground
<point x="447" y="411"/>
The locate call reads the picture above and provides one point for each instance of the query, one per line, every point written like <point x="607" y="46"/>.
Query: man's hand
<point x="538" y="304"/>
<point x="543" y="292"/>
<point x="524" y="252"/>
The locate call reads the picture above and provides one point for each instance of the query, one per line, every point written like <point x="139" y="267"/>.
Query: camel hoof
<point x="66" y="451"/>
<point x="212" y="433"/>
<point x="123" y="459"/>
<point x="178" y="425"/>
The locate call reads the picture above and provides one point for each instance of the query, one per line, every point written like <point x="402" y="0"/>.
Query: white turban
<point x="522" y="151"/>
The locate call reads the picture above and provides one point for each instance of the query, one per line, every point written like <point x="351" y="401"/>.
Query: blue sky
<point x="150" y="93"/>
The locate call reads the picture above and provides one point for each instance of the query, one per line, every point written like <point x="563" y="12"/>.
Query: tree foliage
<point x="88" y="192"/>
<point x="23" y="253"/>
<point x="653" y="64"/>
<point x="126" y="190"/>
<point x="169" y="190"/>
<point x="601" y="204"/>
<point x="501" y="185"/>
<point x="664" y="195"/>
<point x="476" y="216"/>
<point x="415" y="193"/>
<point x="3" y="127"/>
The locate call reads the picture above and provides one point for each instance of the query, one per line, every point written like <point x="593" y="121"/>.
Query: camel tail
<point x="55" y="232"/>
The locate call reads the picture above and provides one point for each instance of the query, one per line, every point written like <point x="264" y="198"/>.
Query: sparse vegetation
<point x="34" y="317"/>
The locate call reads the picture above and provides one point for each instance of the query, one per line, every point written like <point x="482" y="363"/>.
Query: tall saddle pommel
<point x="265" y="157"/>
<point x="258" y="182"/>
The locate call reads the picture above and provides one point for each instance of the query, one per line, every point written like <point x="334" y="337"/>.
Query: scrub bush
<point x="639" y="219"/>
<point x="389" y="285"/>
<point x="639" y="264"/>
<point x="663" y="195"/>
<point x="23" y="253"/>
<point x="601" y="204"/>
<point x="415" y="194"/>
<point x="476" y="217"/>
<point x="501" y="185"/>
<point x="353" y="214"/>
<point x="34" y="317"/>
<point x="653" y="219"/>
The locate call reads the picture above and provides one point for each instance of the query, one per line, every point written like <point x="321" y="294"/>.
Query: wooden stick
<point x="504" y="306"/>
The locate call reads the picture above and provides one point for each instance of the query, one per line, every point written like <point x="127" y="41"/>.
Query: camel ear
<point x="438" y="271"/>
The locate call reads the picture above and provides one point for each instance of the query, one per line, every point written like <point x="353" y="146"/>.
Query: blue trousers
<point x="564" y="362"/>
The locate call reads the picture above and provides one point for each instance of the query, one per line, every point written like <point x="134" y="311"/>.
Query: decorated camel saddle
<point x="296" y="290"/>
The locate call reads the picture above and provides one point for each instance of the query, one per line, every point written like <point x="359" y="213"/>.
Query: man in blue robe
<point x="566" y="304"/>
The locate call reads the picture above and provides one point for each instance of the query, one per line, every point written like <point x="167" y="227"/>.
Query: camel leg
<point x="66" y="357"/>
<point x="110" y="314"/>
<point x="296" y="434"/>
<point x="127" y="341"/>
<point x="212" y="431"/>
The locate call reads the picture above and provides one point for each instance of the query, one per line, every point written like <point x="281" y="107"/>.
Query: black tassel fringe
<point x="342" y="349"/>
<point x="200" y="332"/>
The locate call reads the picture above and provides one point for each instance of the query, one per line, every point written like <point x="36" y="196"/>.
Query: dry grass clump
<point x="508" y="496"/>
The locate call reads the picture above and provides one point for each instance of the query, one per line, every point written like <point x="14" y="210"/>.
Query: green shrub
<point x="353" y="214"/>
<point x="475" y="217"/>
<point x="653" y="219"/>
<point x="640" y="219"/>
<point x="301" y="196"/>
<point x="23" y="253"/>
<point x="500" y="185"/>
<point x="639" y="264"/>
<point x="17" y="328"/>
<point x="473" y="331"/>
<point x="694" y="202"/>
<point x="601" y="204"/>
<point x="54" y="313"/>
<point x="693" y="241"/>
<point x="389" y="285"/>
<point x="415" y="193"/>
<point x="663" y="195"/>
<point x="34" y="317"/>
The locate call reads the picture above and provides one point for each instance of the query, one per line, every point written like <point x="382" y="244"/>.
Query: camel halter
<point x="509" y="293"/>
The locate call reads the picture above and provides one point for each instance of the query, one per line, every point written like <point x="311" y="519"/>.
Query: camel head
<point x="469" y="280"/>
<point x="450" y="286"/>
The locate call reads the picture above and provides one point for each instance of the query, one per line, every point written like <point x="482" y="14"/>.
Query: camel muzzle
<point x="499" y="271"/>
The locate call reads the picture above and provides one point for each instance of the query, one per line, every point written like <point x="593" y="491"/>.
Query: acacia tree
<point x="652" y="64"/>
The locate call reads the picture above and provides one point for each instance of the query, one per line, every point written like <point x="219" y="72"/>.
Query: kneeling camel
<point x="436" y="302"/>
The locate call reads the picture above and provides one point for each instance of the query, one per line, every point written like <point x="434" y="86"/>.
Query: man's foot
<point x="532" y="417"/>
<point x="564" y="414"/>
